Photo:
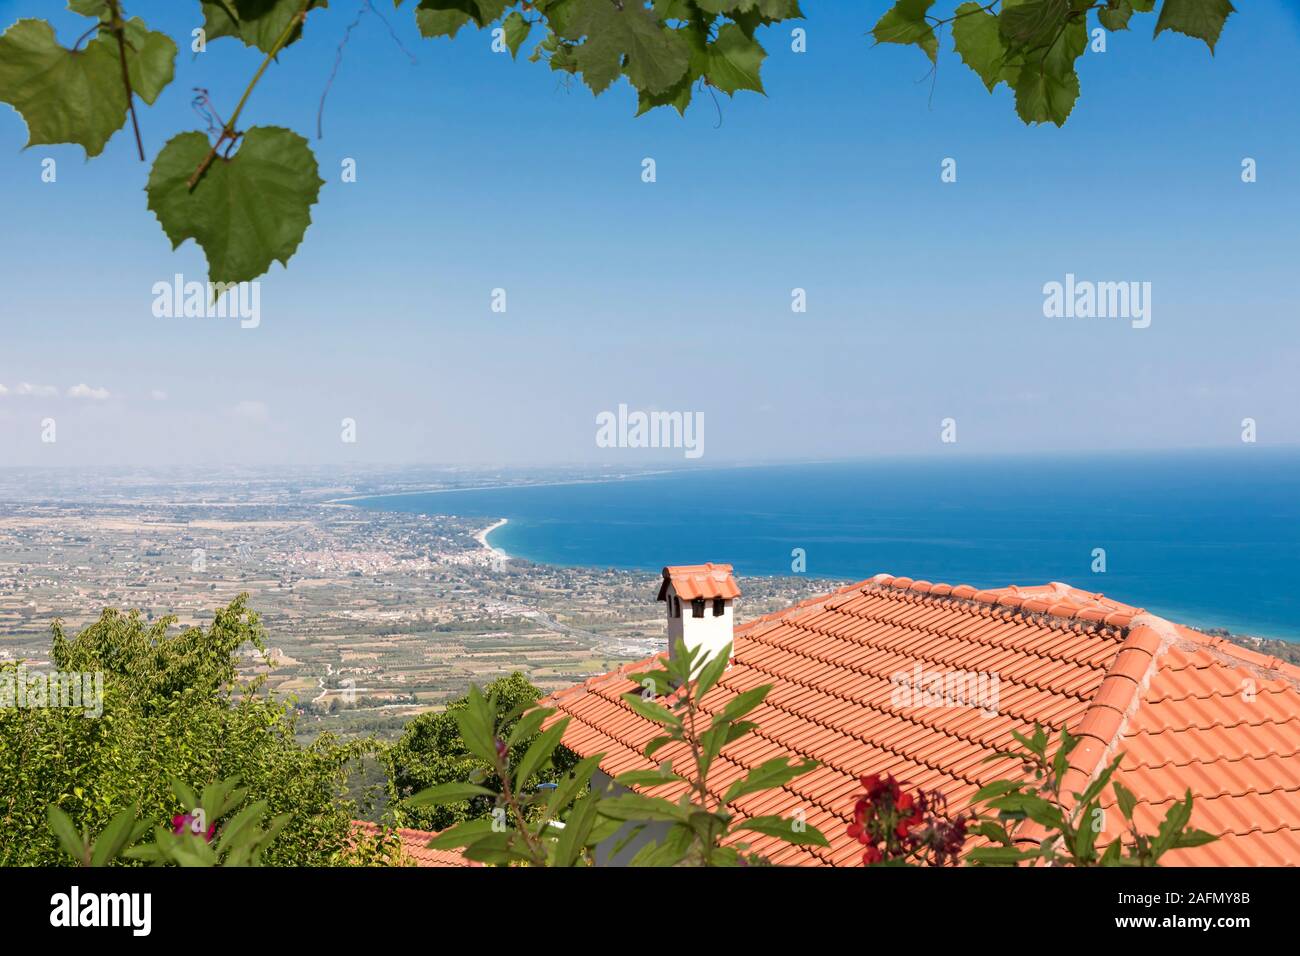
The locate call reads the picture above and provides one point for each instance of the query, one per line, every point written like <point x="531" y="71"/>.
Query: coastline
<point x="498" y="487"/>
<point x="482" y="538"/>
<point x="568" y="536"/>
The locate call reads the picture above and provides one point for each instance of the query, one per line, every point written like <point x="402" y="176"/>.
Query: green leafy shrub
<point x="173" y="708"/>
<point x="563" y="827"/>
<point x="433" y="750"/>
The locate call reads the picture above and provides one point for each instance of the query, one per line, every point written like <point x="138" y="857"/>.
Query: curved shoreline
<point x="482" y="538"/>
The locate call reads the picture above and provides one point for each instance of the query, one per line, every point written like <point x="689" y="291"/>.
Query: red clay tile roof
<point x="692" y="581"/>
<point x="1188" y="710"/>
<point x="415" y="846"/>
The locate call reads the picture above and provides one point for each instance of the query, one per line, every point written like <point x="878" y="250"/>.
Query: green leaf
<point x="246" y="211"/>
<point x="651" y="710"/>
<point x="150" y="59"/>
<point x="257" y="23"/>
<point x="993" y="830"/>
<point x="577" y="828"/>
<point x="218" y="797"/>
<point x="625" y="38"/>
<point x="734" y="61"/>
<point x="69" y="837"/>
<point x="647" y="778"/>
<point x="569" y="787"/>
<point x="482" y="12"/>
<point x="998" y="855"/>
<point x="516" y="32"/>
<point x="185" y="794"/>
<point x="1116" y="18"/>
<point x="1172" y="826"/>
<point x="659" y="681"/>
<point x="462" y="834"/>
<point x="977" y="40"/>
<point x="90" y="8"/>
<point x="658" y="743"/>
<point x="634" y="806"/>
<point x="1112" y="855"/>
<point x="476" y="721"/>
<point x="1202" y="19"/>
<point x="1124" y="797"/>
<point x="527" y="725"/>
<point x="445" y="793"/>
<point x="1099" y="782"/>
<point x="771" y="773"/>
<point x="789" y="830"/>
<point x="494" y="848"/>
<point x="1194" y="838"/>
<point x="905" y="23"/>
<point x="1036" y="808"/>
<point x="116" y="836"/>
<point x="744" y="702"/>
<point x="241" y="827"/>
<point x="669" y="851"/>
<point x="539" y="752"/>
<point x="1032" y="25"/>
<point x="64" y="96"/>
<point x="1046" y="91"/>
<point x="711" y="672"/>
<point x="439" y="23"/>
<point x="997" y="788"/>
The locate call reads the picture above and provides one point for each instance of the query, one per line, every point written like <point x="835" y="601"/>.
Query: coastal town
<point x="371" y="616"/>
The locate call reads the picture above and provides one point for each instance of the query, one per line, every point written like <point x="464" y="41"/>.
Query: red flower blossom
<point x="185" y="823"/>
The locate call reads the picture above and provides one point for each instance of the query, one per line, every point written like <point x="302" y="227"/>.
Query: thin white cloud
<point x="158" y="395"/>
<point x="38" y="391"/>
<point x="3" y="390"/>
<point x="85" y="391"/>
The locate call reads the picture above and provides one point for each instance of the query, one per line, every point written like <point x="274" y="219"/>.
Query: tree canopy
<point x="432" y="751"/>
<point x="173" y="708"/>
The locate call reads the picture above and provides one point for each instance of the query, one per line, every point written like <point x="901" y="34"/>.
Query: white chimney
<point x="699" y="599"/>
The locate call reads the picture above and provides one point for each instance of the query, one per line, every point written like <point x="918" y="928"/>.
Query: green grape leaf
<point x="150" y="59"/>
<point x="246" y="211"/>
<point x="1202" y="19"/>
<point x="516" y="32"/>
<point x="1143" y="6"/>
<point x="151" y="56"/>
<point x="678" y="96"/>
<point x="257" y="23"/>
<point x="678" y="9"/>
<point x="1032" y="25"/>
<point x="439" y="23"/>
<point x="448" y="16"/>
<point x="1048" y="86"/>
<point x="64" y="96"/>
<point x="769" y="9"/>
<point x="1117" y="17"/>
<point x="977" y="40"/>
<point x="625" y="39"/>
<point x="734" y="60"/>
<point x="905" y="23"/>
<point x="90" y="8"/>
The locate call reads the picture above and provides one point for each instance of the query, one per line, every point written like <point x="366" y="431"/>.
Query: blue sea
<point x="1206" y="539"/>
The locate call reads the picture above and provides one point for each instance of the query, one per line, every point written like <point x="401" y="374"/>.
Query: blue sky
<point x="476" y="172"/>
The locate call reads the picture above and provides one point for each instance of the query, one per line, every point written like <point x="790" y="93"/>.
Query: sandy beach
<point x="482" y="538"/>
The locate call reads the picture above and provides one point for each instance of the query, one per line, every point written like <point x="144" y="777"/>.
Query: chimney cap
<point x="692" y="581"/>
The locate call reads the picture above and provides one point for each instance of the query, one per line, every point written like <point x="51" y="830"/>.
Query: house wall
<point x="655" y="830"/>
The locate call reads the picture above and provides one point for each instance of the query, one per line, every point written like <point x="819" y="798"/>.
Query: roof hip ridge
<point x="1116" y="700"/>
